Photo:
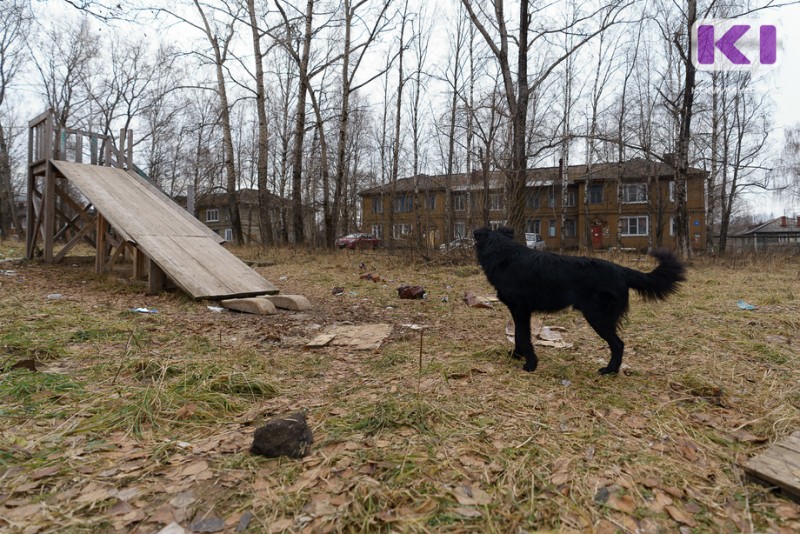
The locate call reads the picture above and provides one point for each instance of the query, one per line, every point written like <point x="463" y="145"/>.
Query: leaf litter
<point x="449" y="433"/>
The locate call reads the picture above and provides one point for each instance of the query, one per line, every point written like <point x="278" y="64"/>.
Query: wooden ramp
<point x="779" y="466"/>
<point x="186" y="250"/>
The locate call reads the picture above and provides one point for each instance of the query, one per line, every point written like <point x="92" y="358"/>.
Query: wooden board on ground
<point x="184" y="248"/>
<point x="778" y="466"/>
<point x="357" y="337"/>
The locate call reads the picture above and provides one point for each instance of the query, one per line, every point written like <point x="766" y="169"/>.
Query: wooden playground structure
<point x="81" y="188"/>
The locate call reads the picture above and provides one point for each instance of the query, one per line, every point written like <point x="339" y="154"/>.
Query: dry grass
<point x="135" y="421"/>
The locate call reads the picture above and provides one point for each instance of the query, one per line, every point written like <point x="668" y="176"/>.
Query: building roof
<point x="779" y="226"/>
<point x="540" y="176"/>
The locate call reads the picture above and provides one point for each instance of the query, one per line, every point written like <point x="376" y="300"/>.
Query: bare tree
<point x="64" y="63"/>
<point x="519" y="88"/>
<point x="15" y="22"/>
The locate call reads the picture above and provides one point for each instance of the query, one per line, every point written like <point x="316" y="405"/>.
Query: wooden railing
<point x="48" y="141"/>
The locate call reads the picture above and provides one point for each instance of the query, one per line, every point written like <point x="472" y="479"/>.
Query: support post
<point x="139" y="264"/>
<point x="100" y="256"/>
<point x="49" y="211"/>
<point x="156" y="279"/>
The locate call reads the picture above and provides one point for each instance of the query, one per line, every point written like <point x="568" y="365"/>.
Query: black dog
<point x="528" y="280"/>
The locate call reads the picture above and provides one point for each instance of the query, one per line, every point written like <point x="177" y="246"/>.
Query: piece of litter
<point x="745" y="305"/>
<point x="566" y="383"/>
<point x="216" y="309"/>
<point x="55" y="296"/>
<point x="283" y="278"/>
<point x="474" y="301"/>
<point x="411" y="292"/>
<point x="337" y="290"/>
<point x="144" y="310"/>
<point x="6" y="272"/>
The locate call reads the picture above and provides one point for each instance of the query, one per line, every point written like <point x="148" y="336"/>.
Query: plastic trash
<point x="144" y="310"/>
<point x="745" y="305"/>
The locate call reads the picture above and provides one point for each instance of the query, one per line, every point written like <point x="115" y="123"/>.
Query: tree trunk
<point x="264" y="208"/>
<point x="684" y="136"/>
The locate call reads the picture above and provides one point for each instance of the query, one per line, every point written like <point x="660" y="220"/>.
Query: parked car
<point x="358" y="240"/>
<point x="456" y="244"/>
<point x="534" y="241"/>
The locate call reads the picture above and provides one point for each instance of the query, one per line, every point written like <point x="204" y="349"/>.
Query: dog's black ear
<point x="506" y="231"/>
<point x="481" y="233"/>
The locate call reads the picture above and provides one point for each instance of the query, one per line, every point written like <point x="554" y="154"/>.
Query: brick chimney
<point x="783" y="221"/>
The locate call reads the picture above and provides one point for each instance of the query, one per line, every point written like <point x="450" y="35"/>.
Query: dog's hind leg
<point x="606" y="328"/>
<point x="523" y="347"/>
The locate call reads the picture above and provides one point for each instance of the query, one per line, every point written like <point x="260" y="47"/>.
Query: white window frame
<point x="635" y="191"/>
<point x="459" y="230"/>
<point x="551" y="228"/>
<point x="571" y="199"/>
<point x="212" y="215"/>
<point x="377" y="230"/>
<point x="626" y="226"/>
<point x="533" y="226"/>
<point x="228" y="234"/>
<point x="596" y="187"/>
<point x="671" y="189"/>
<point x="459" y="201"/>
<point x="496" y="202"/>
<point x="430" y="202"/>
<point x="494" y="225"/>
<point x="402" y="230"/>
<point x="377" y="205"/>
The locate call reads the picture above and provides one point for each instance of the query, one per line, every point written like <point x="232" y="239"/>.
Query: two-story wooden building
<point x="630" y="205"/>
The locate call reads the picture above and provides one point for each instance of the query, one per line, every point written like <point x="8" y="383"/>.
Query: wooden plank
<point x="100" y="252"/>
<point x="49" y="212"/>
<point x="156" y="281"/>
<point x="139" y="264"/>
<point x="176" y="244"/>
<point x="778" y="466"/>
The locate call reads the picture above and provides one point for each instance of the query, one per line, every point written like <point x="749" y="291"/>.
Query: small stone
<point x="289" y="436"/>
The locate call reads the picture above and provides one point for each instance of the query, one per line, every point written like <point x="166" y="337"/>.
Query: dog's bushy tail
<point x="662" y="281"/>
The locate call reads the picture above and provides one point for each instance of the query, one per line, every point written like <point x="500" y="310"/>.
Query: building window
<point x="673" y="228"/>
<point x="404" y="203"/>
<point x="595" y="193"/>
<point x="671" y="189"/>
<point x="494" y="225"/>
<point x="570" y="199"/>
<point x="534" y="226"/>
<point x="495" y="201"/>
<point x="635" y="226"/>
<point x="377" y="230"/>
<point x="401" y="230"/>
<point x="377" y="205"/>
<point x="551" y="197"/>
<point x="431" y="201"/>
<point x="212" y="215"/>
<point x="459" y="202"/>
<point x="532" y="200"/>
<point x="459" y="230"/>
<point x="634" y="193"/>
<point x="551" y="228"/>
<point x="228" y="234"/>
<point x="570" y="228"/>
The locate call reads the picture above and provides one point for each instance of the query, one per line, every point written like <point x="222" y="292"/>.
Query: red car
<point x="361" y="241"/>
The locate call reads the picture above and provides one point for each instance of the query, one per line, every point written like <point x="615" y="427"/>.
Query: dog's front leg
<point x="523" y="348"/>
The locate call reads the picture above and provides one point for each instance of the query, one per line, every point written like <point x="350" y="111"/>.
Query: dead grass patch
<point x="135" y="421"/>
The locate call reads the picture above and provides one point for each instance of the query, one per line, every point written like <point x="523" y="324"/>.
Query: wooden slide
<point x="185" y="249"/>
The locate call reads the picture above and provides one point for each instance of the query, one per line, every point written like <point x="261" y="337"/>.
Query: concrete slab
<point x="289" y="302"/>
<point x="255" y="305"/>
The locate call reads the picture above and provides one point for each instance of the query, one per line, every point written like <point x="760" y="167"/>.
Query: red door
<point x="597" y="237"/>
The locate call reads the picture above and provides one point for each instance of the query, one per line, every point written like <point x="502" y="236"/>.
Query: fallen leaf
<point x="94" y="496"/>
<point x="186" y="411"/>
<point x="468" y="513"/>
<point x="207" y="524"/>
<point x="747" y="437"/>
<point x="23" y="512"/>
<point x="621" y="503"/>
<point x="469" y="496"/>
<point x="183" y="500"/>
<point x="172" y="528"/>
<point x="194" y="469"/>
<point x="680" y="516"/>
